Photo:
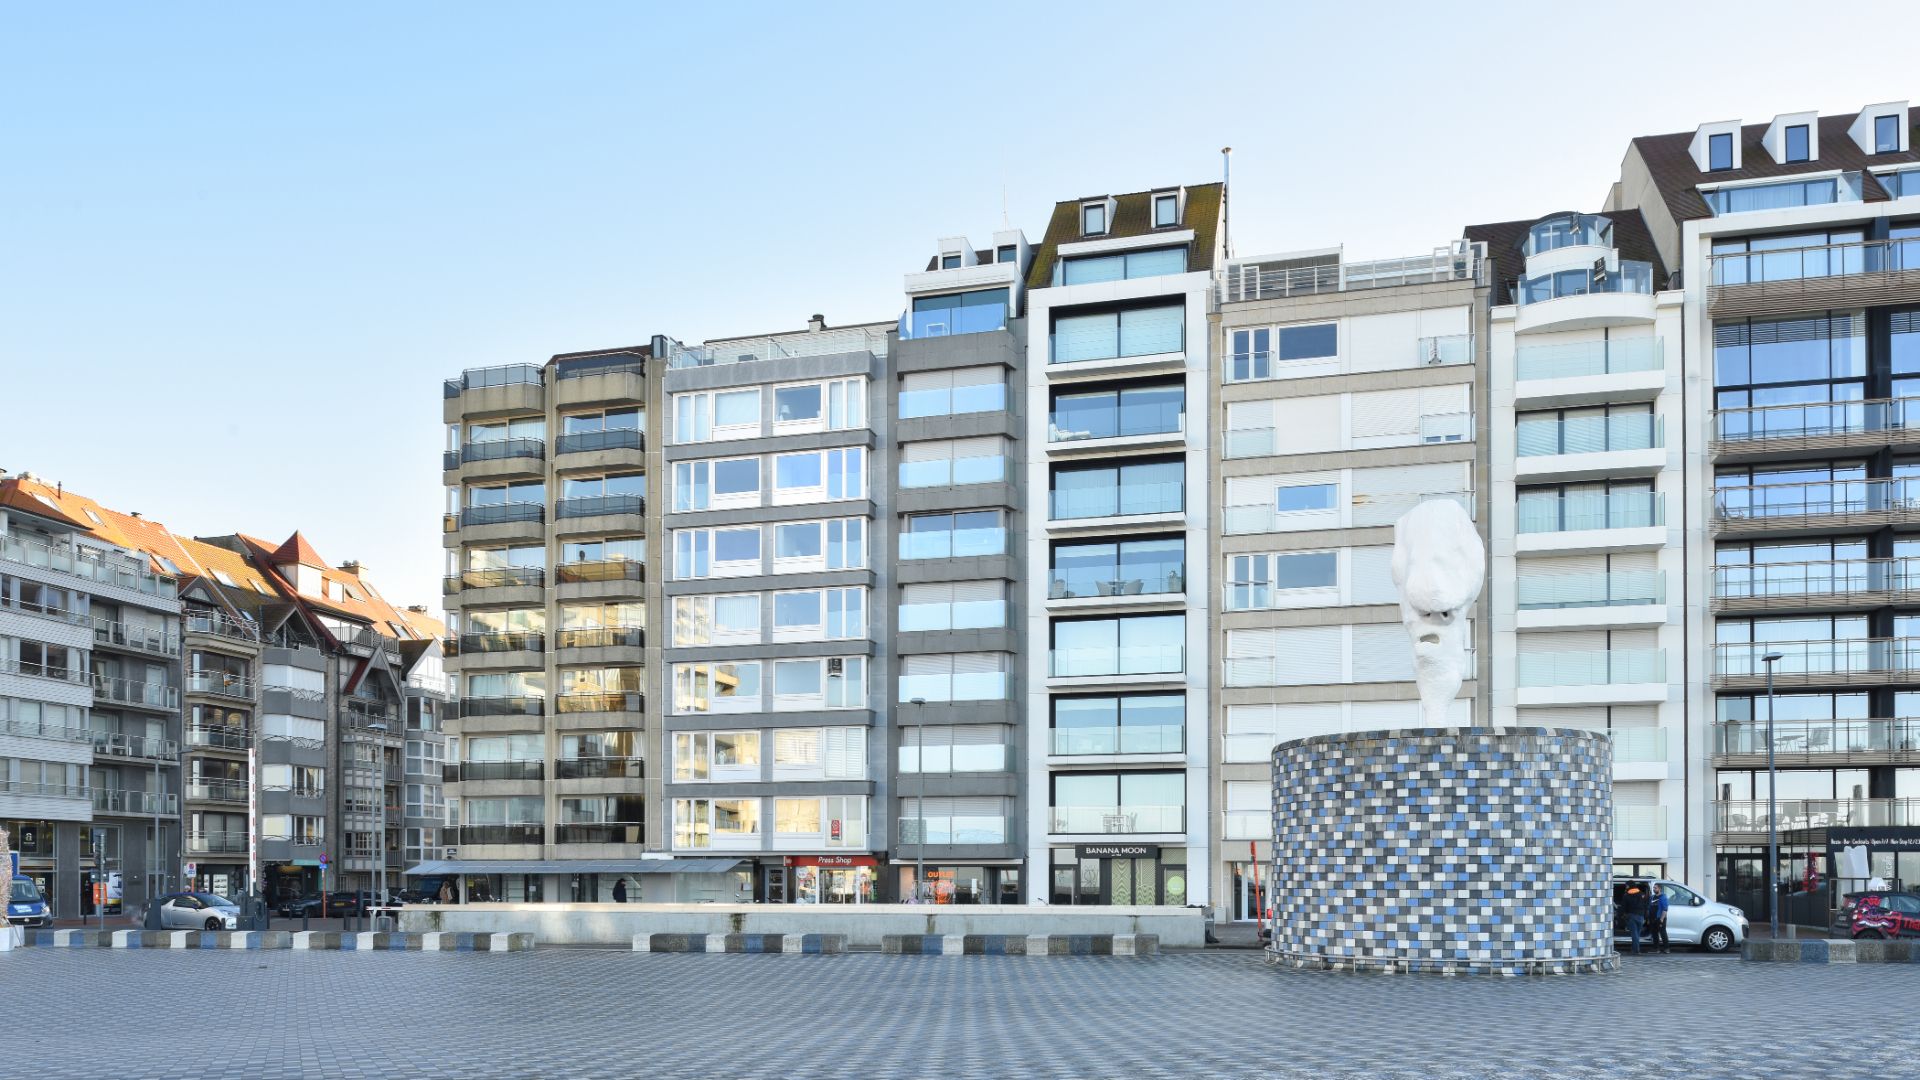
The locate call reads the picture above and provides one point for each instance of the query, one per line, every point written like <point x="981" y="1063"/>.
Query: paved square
<point x="579" y="1013"/>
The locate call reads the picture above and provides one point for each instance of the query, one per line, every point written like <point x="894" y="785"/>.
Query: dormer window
<point x="1166" y="210"/>
<point x="950" y="261"/>
<point x="1886" y="134"/>
<point x="1799" y="143"/>
<point x="1093" y="219"/>
<point x="1719" y="152"/>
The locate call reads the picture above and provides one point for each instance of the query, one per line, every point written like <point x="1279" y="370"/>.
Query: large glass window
<point x="716" y="414"/>
<point x="1093" y="219"/>
<point x="1166" y="211"/>
<point x="1129" y="645"/>
<point x="1799" y="143"/>
<point x="1886" y="134"/>
<point x="952" y="392"/>
<point x="952" y="605"/>
<point x="732" y="619"/>
<point x="1788" y="257"/>
<point x="1118" y="568"/>
<point x="943" y="536"/>
<point x="958" y="313"/>
<point x="1132" y="802"/>
<point x="716" y="485"/>
<point x="945" y="462"/>
<point x="1776" y="196"/>
<point x="1108" y="335"/>
<point x="1119" y="724"/>
<point x="1719" y="152"/>
<point x="1259" y="581"/>
<point x="1120" y="266"/>
<point x="1148" y="486"/>
<point x="1111" y="413"/>
<point x="720" y="687"/>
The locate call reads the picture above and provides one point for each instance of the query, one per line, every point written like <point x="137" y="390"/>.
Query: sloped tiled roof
<point x="296" y="550"/>
<point x="1670" y="161"/>
<point x="1132" y="216"/>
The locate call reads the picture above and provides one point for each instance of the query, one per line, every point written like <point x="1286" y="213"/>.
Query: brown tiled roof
<point x="1505" y="240"/>
<point x="1132" y="216"/>
<point x="1676" y="174"/>
<point x="27" y="496"/>
<point x="296" y="550"/>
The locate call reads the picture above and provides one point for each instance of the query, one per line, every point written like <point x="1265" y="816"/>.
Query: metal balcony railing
<point x="1750" y="815"/>
<point x="222" y="791"/>
<point x="855" y="339"/>
<point x="1801" y="662"/>
<point x="218" y="624"/>
<point x="91" y="564"/>
<point x="1839" y="741"/>
<point x="582" y="442"/>
<point x="502" y="513"/>
<point x="1866" y="272"/>
<point x="221" y="683"/>
<point x="1758" y="585"/>
<point x="1873" y="501"/>
<point x="115" y="744"/>
<point x="146" y="695"/>
<point x="218" y="738"/>
<point x="600" y="570"/>
<point x="217" y="843"/>
<point x="580" y="367"/>
<point x="1459" y="261"/>
<point x="495" y="578"/>
<point x="600" y="768"/>
<point x="1821" y="423"/>
<point x="503" y="375"/>
<point x="134" y="638"/>
<point x="596" y="505"/>
<point x="600" y="832"/>
<point x="495" y="450"/>
<point x="116" y="801"/>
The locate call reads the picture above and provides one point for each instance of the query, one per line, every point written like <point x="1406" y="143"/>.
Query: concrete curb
<point x="782" y="944"/>
<point x="1840" y="951"/>
<point x="300" y="940"/>
<point x="1020" y="944"/>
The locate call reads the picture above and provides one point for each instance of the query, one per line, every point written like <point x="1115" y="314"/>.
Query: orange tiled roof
<point x="297" y="550"/>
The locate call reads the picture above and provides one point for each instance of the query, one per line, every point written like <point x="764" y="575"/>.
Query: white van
<point x="1692" y="919"/>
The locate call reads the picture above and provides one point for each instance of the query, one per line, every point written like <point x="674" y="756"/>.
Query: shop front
<point x="833" y="879"/>
<point x="962" y="883"/>
<point x="1119" y="874"/>
<point x="287" y="881"/>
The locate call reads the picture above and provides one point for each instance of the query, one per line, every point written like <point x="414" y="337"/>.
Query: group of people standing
<point x="1644" y="907"/>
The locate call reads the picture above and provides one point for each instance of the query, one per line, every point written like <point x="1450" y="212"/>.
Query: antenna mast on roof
<point x="1226" y="207"/>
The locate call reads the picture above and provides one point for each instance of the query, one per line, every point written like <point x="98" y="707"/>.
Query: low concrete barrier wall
<point x="1819" y="951"/>
<point x="315" y="940"/>
<point x="864" y="925"/>
<point x="1015" y="945"/>
<point x="786" y="944"/>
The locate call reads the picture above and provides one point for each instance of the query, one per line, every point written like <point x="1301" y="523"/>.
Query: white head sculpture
<point x="1439" y="565"/>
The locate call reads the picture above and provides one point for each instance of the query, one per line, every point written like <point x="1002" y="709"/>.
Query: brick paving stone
<point x="86" y="1013"/>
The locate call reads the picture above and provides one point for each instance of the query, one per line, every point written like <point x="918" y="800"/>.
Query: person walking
<point x="1633" y="904"/>
<point x="1657" y="918"/>
<point x="620" y="891"/>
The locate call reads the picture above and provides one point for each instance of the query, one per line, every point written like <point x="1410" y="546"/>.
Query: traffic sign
<point x="323" y="860"/>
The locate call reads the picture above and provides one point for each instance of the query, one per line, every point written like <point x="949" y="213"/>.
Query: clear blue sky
<point x="240" y="246"/>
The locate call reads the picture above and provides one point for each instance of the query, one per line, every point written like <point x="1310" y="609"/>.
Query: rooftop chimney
<point x="351" y="566"/>
<point x="817" y="323"/>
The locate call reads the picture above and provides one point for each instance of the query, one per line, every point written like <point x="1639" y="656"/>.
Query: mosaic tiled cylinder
<point x="1445" y="850"/>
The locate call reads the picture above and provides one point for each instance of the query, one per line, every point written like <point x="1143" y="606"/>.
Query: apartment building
<point x="547" y="786"/>
<point x="89" y="708"/>
<point x="1117" y="687"/>
<point x="1346" y="393"/>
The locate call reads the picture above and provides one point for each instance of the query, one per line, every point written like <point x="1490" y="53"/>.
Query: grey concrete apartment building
<point x="1344" y="393"/>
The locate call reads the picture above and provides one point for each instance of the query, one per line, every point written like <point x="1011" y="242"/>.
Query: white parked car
<point x="1692" y="919"/>
<point x="198" y="911"/>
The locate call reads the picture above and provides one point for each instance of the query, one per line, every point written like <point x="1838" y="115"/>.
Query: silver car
<point x="198" y="911"/>
<point x="1693" y="919"/>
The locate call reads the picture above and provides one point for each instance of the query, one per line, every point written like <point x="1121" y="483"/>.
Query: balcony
<point x="947" y="760"/>
<point x="1123" y="660"/>
<point x="956" y="615"/>
<point x="1591" y="677"/>
<point x="1589" y="372"/>
<point x="502" y="513"/>
<point x="1272" y="279"/>
<point x="1816" y="586"/>
<point x="1743" y="743"/>
<point x="40" y="729"/>
<point x="115" y="744"/>
<point x="90" y="564"/>
<point x="497" y="578"/>
<point x="47" y="791"/>
<point x="220" y="684"/>
<point x="600" y="832"/>
<point x="484" y="378"/>
<point x="1616" y="588"/>
<point x="119" y="635"/>
<point x="1431" y="429"/>
<point x="1128" y="572"/>
<point x="454" y="772"/>
<point x="1569" y="230"/>
<point x="62" y="615"/>
<point x="1816" y="507"/>
<point x="1871" y="273"/>
<point x="126" y="803"/>
<point x="218" y="738"/>
<point x="216" y="843"/>
<point x="1589" y="447"/>
<point x="586" y="442"/>
<point x="503" y="706"/>
<point x="617" y="378"/>
<point x="502" y="641"/>
<point x="856" y="339"/>
<point x="219" y="791"/>
<point x="952" y="831"/>
<point x="603" y="637"/>
<point x="498" y="834"/>
<point x="966" y="686"/>
<point x="953" y="321"/>
<point x="600" y="570"/>
<point x="600" y="505"/>
<point x="219" y="625"/>
<point x="953" y="543"/>
<point x="1148" y="415"/>
<point x="530" y="450"/>
<point x="143" y="695"/>
<point x="1113" y="820"/>
<point x="1815" y="429"/>
<point x="1120" y="739"/>
<point x="1121" y="500"/>
<point x="600" y="768"/>
<point x="593" y="701"/>
<point x="1575" y="524"/>
<point x="1585" y="298"/>
<point x="366" y="715"/>
<point x="1843" y="662"/>
<point x="1750" y="816"/>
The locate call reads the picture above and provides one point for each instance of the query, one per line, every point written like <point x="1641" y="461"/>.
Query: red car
<point x="1881" y="915"/>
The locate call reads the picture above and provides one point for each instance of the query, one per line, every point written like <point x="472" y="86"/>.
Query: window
<point x="1093" y="219"/>
<point x="944" y="462"/>
<point x="1089" y="269"/>
<point x="954" y="677"/>
<point x="1719" y="152"/>
<point x="1130" y="645"/>
<point x="952" y="605"/>
<point x="1747" y="197"/>
<point x="957" y="748"/>
<point x="1146" y="486"/>
<point x="722" y="823"/>
<point x="1254" y="351"/>
<point x="1007" y="253"/>
<point x="1135" y="802"/>
<point x="1117" y="413"/>
<point x="525" y="427"/>
<point x="1166" y="211"/>
<point x="835" y="753"/>
<point x="958" y="313"/>
<point x="600" y="421"/>
<point x="830" y="683"/>
<point x="819" y="475"/>
<point x="1126" y="568"/>
<point x="810" y="546"/>
<point x="714" y="688"/>
<point x="1297" y="498"/>
<point x="1119" y="724"/>
<point x="716" y="755"/>
<point x="950" y="262"/>
<point x="1110" y="335"/>
<point x="955" y="536"/>
<point x="729" y="552"/>
<point x="716" y="415"/>
<point x="1253" y="580"/>
<point x="1799" y="146"/>
<point x="716" y="620"/>
<point x="726" y="484"/>
<point x="607" y="549"/>
<point x="819" y="615"/>
<point x="533" y="492"/>
<point x="835" y="405"/>
<point x="1886" y="134"/>
<point x="1802" y="349"/>
<point x="952" y="392"/>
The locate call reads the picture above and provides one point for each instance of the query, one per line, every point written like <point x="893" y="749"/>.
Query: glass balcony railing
<point x="1589" y="434"/>
<point x="496" y="578"/>
<point x="503" y="706"/>
<point x="1815" y="738"/>
<point x="1117" y="819"/>
<point x="92" y="564"/>
<point x="1801" y="580"/>
<point x="501" y="513"/>
<point x="867" y="339"/>
<point x="939" y="760"/>
<point x="533" y="833"/>
<point x="599" y="768"/>
<point x="118" y="801"/>
<point x="1639" y="746"/>
<point x="1751" y="815"/>
<point x="1124" y="500"/>
<point x="1155" y="414"/>
<point x="595" y="505"/>
<point x="1632" y="277"/>
<point x="151" y="695"/>
<point x="581" y="367"/>
<point x="217" y="843"/>
<point x="1814" y="420"/>
<point x="1819" y="498"/>
<point x="1633" y="823"/>
<point x="600" y="832"/>
<point x="951" y="830"/>
<point x="504" y="375"/>
<point x="585" y="701"/>
<point x="1747" y="198"/>
<point x="952" y="321"/>
<point x="1120" y="739"/>
<point x="1616" y="588"/>
<point x="954" y="401"/>
<point x="1578" y="513"/>
<point x="1595" y="667"/>
<point x="467" y="771"/>
<point x="37" y="728"/>
<point x="581" y="442"/>
<point x="1585" y="359"/>
<point x="497" y="450"/>
<point x="116" y="744"/>
<point x="957" y="615"/>
<point x="220" y="684"/>
<point x="1839" y="657"/>
<point x="218" y="738"/>
<point x="1568" y="231"/>
<point x="953" y="543"/>
<point x="945" y="472"/>
<point x="1120" y="660"/>
<point x="1443" y="349"/>
<point x="967" y="686"/>
<point x="225" y="791"/>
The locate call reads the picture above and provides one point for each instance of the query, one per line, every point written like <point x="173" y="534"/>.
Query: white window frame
<point x="703" y="404"/>
<point x="842" y="406"/>
<point x="707" y="630"/>
<point x="1171" y="198"/>
<point x="686" y="682"/>
<point x="736" y="567"/>
<point x="790" y="496"/>
<point x="800" y="564"/>
<point x="814" y="631"/>
<point x="685" y="742"/>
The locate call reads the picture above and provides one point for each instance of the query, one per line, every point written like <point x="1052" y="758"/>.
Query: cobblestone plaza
<point x="578" y="1013"/>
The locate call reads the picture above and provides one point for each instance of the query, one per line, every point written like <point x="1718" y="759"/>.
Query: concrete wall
<point x="615" y="924"/>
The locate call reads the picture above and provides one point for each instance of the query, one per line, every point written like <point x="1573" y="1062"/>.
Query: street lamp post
<point x="380" y="818"/>
<point x="919" y="803"/>
<point x="1773" y="823"/>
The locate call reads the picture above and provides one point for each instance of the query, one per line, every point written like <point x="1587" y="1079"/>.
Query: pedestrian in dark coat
<point x="1634" y="905"/>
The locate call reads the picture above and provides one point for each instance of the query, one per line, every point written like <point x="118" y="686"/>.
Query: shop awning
<point x="572" y="866"/>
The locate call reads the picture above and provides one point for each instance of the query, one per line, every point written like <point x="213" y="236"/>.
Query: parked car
<point x="1692" y="919"/>
<point x="1881" y="914"/>
<point x="198" y="911"/>
<point x="369" y="900"/>
<point x="25" y="905"/>
<point x="338" y="904"/>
